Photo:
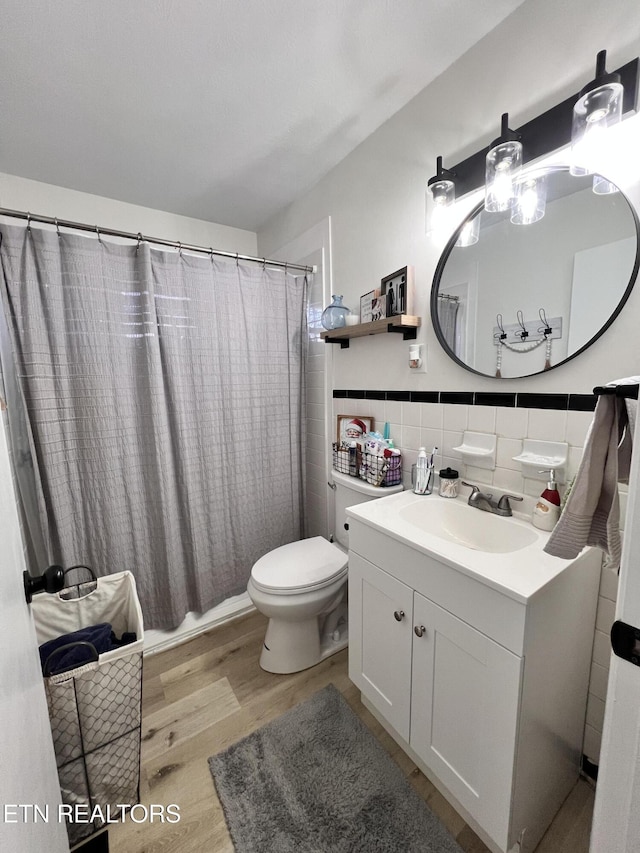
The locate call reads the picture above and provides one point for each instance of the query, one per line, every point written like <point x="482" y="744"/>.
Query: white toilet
<point x="302" y="588"/>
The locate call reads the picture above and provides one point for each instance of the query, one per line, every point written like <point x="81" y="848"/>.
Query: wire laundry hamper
<point x="95" y="708"/>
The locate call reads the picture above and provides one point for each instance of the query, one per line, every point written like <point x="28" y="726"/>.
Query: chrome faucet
<point x="485" y="502"/>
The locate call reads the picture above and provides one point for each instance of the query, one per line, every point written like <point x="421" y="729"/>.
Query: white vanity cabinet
<point x="486" y="692"/>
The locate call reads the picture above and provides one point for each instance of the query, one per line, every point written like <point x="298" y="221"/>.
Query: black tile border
<point x="457" y="398"/>
<point x="488" y="398"/>
<point x="425" y="397"/>
<point x="582" y="402"/>
<point x="543" y="401"/>
<point x="557" y="402"/>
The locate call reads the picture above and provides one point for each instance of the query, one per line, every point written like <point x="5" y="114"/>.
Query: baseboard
<point x="195" y="624"/>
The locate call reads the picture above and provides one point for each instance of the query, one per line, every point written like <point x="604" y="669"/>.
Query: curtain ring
<point x="57" y="228"/>
<point x="29" y="222"/>
<point x="237" y="259"/>
<point x="179" y="249"/>
<point x="285" y="267"/>
<point x="98" y="234"/>
<point x="264" y="264"/>
<point x="139" y="241"/>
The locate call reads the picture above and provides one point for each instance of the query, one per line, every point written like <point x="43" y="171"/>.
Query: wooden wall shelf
<point x="402" y="324"/>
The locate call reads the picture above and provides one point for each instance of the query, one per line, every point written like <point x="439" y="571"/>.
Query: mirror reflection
<point x="513" y="297"/>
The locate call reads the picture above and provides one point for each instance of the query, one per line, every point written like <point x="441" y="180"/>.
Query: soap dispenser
<point x="547" y="509"/>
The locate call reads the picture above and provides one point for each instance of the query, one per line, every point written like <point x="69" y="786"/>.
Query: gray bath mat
<point x="317" y="781"/>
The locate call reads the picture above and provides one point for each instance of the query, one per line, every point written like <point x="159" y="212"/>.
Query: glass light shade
<point x="503" y="166"/>
<point x="601" y="186"/>
<point x="443" y="192"/>
<point x="531" y="200"/>
<point x="470" y="234"/>
<point x="440" y="198"/>
<point x="593" y="114"/>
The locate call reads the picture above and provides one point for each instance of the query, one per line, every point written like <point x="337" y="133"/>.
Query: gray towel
<point x="592" y="512"/>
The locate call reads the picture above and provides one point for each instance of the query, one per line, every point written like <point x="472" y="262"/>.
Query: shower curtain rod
<point x="129" y="235"/>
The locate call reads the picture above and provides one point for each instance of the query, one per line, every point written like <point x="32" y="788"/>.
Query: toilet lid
<point x="304" y="565"/>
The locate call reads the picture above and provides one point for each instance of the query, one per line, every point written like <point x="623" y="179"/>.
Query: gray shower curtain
<point x="164" y="395"/>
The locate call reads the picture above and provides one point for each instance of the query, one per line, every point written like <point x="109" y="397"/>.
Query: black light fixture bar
<point x="543" y="134"/>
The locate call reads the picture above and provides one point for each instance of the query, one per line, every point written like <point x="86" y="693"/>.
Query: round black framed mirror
<point x="512" y="300"/>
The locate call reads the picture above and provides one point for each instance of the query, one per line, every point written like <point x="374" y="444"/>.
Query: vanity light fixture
<point x="531" y="200"/>
<point x="470" y="233"/>
<point x="601" y="186"/>
<point x="547" y="132"/>
<point x="441" y="189"/>
<point x="598" y="108"/>
<point x="503" y="167"/>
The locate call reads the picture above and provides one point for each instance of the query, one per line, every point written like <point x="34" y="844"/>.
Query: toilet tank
<point x="350" y="491"/>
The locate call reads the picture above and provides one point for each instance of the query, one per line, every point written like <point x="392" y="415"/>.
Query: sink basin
<point x="457" y="522"/>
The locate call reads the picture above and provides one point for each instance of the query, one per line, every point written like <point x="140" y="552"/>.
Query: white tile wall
<point x="441" y="425"/>
<point x="316" y="438"/>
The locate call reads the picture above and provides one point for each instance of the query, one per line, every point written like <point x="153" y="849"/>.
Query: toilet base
<point x="293" y="646"/>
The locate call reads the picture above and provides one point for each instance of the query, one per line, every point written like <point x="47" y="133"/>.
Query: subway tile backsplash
<point x="439" y="418"/>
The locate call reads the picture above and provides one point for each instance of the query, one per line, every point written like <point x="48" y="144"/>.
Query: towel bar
<point x="627" y="391"/>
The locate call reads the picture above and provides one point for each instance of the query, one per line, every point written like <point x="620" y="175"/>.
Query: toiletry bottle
<point x="353" y="458"/>
<point x="547" y="509"/>
<point x="423" y="474"/>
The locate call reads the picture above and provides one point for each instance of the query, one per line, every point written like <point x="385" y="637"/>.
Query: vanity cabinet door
<point x="464" y="713"/>
<point x="380" y="626"/>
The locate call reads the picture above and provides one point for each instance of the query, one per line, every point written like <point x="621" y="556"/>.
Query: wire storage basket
<point x="376" y="470"/>
<point x="382" y="470"/>
<point x="94" y="697"/>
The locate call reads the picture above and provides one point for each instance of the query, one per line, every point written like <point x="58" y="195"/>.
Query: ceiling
<point x="222" y="110"/>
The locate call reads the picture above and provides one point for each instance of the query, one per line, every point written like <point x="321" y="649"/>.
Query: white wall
<point x="541" y="54"/>
<point x="62" y="203"/>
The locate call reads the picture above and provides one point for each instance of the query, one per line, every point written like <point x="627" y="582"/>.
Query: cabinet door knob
<point x="398" y="615"/>
<point x="419" y="630"/>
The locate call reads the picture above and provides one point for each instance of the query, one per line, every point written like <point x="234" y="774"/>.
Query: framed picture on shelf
<point x="366" y="305"/>
<point x="350" y="427"/>
<point x="397" y="290"/>
<point x="379" y="308"/>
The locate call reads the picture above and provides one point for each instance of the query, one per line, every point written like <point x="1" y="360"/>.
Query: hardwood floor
<point x="206" y="694"/>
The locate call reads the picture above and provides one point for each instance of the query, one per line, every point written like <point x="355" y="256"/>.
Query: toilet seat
<point x="299" y="567"/>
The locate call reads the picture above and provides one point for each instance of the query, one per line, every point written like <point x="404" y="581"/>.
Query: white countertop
<point x="518" y="574"/>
